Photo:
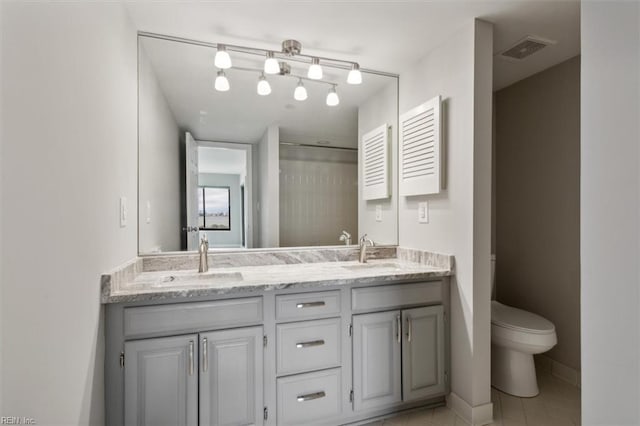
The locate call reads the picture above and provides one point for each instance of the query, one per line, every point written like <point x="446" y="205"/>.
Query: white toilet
<point x="516" y="335"/>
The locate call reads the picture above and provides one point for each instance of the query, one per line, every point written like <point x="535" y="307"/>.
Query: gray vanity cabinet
<point x="161" y="381"/>
<point x="231" y="377"/>
<point x="398" y="356"/>
<point x="215" y="376"/>
<point x="376" y="360"/>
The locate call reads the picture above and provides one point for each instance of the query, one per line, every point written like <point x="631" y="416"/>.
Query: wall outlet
<point x="423" y="212"/>
<point x="148" y="212"/>
<point x="123" y="212"/>
<point x="378" y="213"/>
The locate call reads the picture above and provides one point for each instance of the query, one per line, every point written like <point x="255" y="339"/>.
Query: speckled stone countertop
<point x="166" y="277"/>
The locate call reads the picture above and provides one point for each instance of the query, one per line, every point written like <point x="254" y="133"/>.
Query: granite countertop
<point x="132" y="283"/>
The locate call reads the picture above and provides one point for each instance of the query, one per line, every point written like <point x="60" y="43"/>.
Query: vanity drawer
<point x="192" y="316"/>
<point x="306" y="399"/>
<point x="393" y="296"/>
<point x="307" y="305"/>
<point x="308" y="345"/>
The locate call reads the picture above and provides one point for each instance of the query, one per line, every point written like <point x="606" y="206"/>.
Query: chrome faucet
<point x="346" y="237"/>
<point x="203" y="250"/>
<point x="363" y="248"/>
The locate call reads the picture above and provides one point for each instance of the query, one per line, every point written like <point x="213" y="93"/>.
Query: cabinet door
<point x="161" y="381"/>
<point x="231" y="372"/>
<point x="423" y="353"/>
<point x="376" y="360"/>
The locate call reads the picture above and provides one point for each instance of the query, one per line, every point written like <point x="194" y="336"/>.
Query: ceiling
<point x="384" y="35"/>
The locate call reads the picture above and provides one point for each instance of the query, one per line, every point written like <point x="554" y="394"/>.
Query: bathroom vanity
<point x="325" y="341"/>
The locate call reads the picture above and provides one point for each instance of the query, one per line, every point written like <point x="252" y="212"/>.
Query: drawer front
<point x="307" y="305"/>
<point x="312" y="398"/>
<point x="308" y="345"/>
<point x="193" y="316"/>
<point x="394" y="296"/>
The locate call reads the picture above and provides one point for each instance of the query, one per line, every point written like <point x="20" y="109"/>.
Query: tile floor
<point x="558" y="404"/>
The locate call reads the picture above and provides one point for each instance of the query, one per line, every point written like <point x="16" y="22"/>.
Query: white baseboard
<point x="475" y="416"/>
<point x="559" y="370"/>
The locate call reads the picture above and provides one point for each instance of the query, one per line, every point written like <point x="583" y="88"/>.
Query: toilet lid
<point x="517" y="319"/>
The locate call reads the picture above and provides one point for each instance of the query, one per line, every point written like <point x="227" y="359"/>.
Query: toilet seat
<point x="518" y="320"/>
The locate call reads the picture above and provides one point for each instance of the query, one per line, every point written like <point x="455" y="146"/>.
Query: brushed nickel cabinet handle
<point x="310" y="344"/>
<point x="398" y="326"/>
<point x="191" y="358"/>
<point x="311" y="396"/>
<point x="309" y="304"/>
<point x="205" y="357"/>
<point x="409" y="326"/>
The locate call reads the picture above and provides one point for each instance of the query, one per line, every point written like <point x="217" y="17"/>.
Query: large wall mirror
<point x="251" y="169"/>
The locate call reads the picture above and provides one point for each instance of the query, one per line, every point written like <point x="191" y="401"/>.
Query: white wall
<point x="610" y="209"/>
<point x="269" y="188"/>
<point x="69" y="152"/>
<point x="159" y="174"/>
<point x="379" y="109"/>
<point x="459" y="217"/>
<point x="232" y="237"/>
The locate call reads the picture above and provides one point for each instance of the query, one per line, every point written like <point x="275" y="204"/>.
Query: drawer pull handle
<point x="191" y="357"/>
<point x="309" y="304"/>
<point x="205" y="355"/>
<point x="311" y="396"/>
<point x="310" y="344"/>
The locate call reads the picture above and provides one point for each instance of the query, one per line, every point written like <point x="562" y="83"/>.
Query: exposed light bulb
<point x="271" y="65"/>
<point x="264" y="88"/>
<point x="332" y="97"/>
<point x="300" y="94"/>
<point x="222" y="59"/>
<point x="222" y="83"/>
<point x="355" y="76"/>
<point x="315" y="70"/>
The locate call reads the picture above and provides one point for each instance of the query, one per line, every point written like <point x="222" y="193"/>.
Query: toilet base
<point x="513" y="372"/>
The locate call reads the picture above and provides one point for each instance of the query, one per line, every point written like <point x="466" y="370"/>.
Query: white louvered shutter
<point x="375" y="164"/>
<point x="420" y="146"/>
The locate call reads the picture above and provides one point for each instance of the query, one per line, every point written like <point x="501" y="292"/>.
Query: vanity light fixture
<point x="264" y="88"/>
<point x="222" y="59"/>
<point x="300" y="94"/>
<point x="221" y="83"/>
<point x="332" y="97"/>
<point x="271" y="65"/>
<point x="355" y="76"/>
<point x="315" y="70"/>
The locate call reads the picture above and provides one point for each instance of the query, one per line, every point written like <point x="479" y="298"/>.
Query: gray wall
<point x="538" y="201"/>
<point x="233" y="237"/>
<point x="159" y="173"/>
<point x="460" y="70"/>
<point x="610" y="208"/>
<point x="69" y="103"/>
<point x="380" y="109"/>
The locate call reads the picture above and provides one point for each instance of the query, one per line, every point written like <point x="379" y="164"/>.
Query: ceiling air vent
<point x="526" y="47"/>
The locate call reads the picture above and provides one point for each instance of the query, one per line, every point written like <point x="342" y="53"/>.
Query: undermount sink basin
<point x="198" y="278"/>
<point x="368" y="266"/>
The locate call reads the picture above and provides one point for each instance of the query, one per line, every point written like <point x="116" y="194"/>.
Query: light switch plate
<point x="423" y="212"/>
<point x="123" y="212"/>
<point x="378" y="213"/>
